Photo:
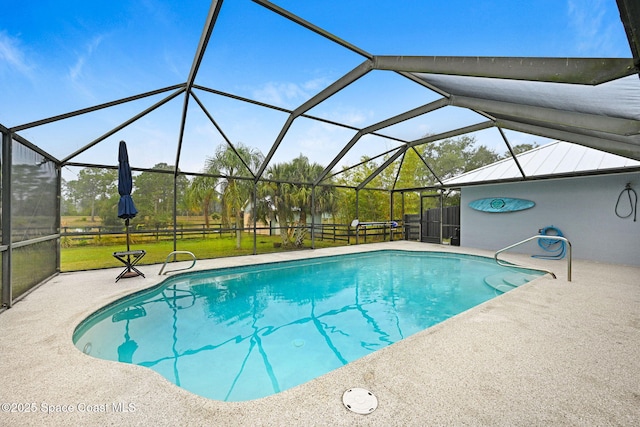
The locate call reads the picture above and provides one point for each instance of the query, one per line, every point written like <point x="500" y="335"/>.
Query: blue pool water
<point x="246" y="332"/>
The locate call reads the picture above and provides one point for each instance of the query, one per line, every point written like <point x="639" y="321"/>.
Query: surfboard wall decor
<point x="501" y="204"/>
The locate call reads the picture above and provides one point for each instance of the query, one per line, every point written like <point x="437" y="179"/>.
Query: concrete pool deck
<point x="551" y="352"/>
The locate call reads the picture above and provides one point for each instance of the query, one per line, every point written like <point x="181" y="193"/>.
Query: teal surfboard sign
<point x="501" y="204"/>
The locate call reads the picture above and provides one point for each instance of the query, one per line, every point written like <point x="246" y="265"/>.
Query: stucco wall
<point x="582" y="208"/>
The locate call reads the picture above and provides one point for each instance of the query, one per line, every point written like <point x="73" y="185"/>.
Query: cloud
<point x="176" y="67"/>
<point x="315" y="85"/>
<point x="279" y="93"/>
<point x="11" y="55"/>
<point x="595" y="32"/>
<point x="76" y="71"/>
<point x="350" y="116"/>
<point x="288" y="94"/>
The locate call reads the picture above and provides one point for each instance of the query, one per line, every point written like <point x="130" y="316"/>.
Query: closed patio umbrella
<point x="126" y="208"/>
<point x="126" y="211"/>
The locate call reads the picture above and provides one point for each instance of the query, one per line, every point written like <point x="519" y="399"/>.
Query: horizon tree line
<point x="283" y="195"/>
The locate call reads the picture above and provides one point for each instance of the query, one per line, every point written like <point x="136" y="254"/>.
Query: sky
<point x="61" y="56"/>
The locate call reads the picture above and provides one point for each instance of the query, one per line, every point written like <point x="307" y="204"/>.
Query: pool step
<point x="505" y="282"/>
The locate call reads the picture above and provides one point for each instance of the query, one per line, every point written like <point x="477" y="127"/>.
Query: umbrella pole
<point x="126" y="223"/>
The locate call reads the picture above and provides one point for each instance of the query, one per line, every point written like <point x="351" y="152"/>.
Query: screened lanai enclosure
<point x="281" y="119"/>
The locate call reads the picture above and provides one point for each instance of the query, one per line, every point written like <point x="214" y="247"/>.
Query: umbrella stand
<point x="129" y="258"/>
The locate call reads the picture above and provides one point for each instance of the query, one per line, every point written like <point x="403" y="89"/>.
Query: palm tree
<point x="201" y="194"/>
<point x="275" y="199"/>
<point x="232" y="165"/>
<point x="293" y="193"/>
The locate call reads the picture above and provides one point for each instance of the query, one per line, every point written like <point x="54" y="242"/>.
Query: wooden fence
<point x="344" y="233"/>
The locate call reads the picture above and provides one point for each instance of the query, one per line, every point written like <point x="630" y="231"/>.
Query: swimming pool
<point x="241" y="333"/>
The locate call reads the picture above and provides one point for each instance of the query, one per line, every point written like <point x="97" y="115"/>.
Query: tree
<point x="236" y="192"/>
<point x="520" y="148"/>
<point x="107" y="209"/>
<point x="413" y="174"/>
<point x="34" y="199"/>
<point x="91" y="186"/>
<point x="202" y="194"/>
<point x="454" y="156"/>
<point x="300" y="171"/>
<point x="373" y="204"/>
<point x="274" y="201"/>
<point x="446" y="159"/>
<point x="290" y="191"/>
<point x="153" y="194"/>
<point x="68" y="204"/>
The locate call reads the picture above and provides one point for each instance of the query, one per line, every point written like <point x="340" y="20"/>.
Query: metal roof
<point x="605" y="116"/>
<point x="554" y="159"/>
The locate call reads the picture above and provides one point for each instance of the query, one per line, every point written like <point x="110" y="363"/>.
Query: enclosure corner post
<point x="255" y="217"/>
<point x="313" y="217"/>
<point x="390" y="215"/>
<point x="6" y="219"/>
<point x="58" y="214"/>
<point x="175" y="210"/>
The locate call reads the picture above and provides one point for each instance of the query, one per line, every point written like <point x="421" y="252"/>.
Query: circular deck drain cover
<point x="360" y="401"/>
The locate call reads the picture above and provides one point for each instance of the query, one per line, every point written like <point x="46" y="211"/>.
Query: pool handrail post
<point x="174" y="253"/>
<point x="538" y="237"/>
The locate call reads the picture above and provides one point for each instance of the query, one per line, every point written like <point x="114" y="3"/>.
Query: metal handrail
<point x="539" y="236"/>
<point x="179" y="269"/>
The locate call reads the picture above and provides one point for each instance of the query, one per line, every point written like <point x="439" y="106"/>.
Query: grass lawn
<point x="89" y="257"/>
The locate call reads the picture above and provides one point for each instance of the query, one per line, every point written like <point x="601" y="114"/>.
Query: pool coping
<point x="549" y="352"/>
